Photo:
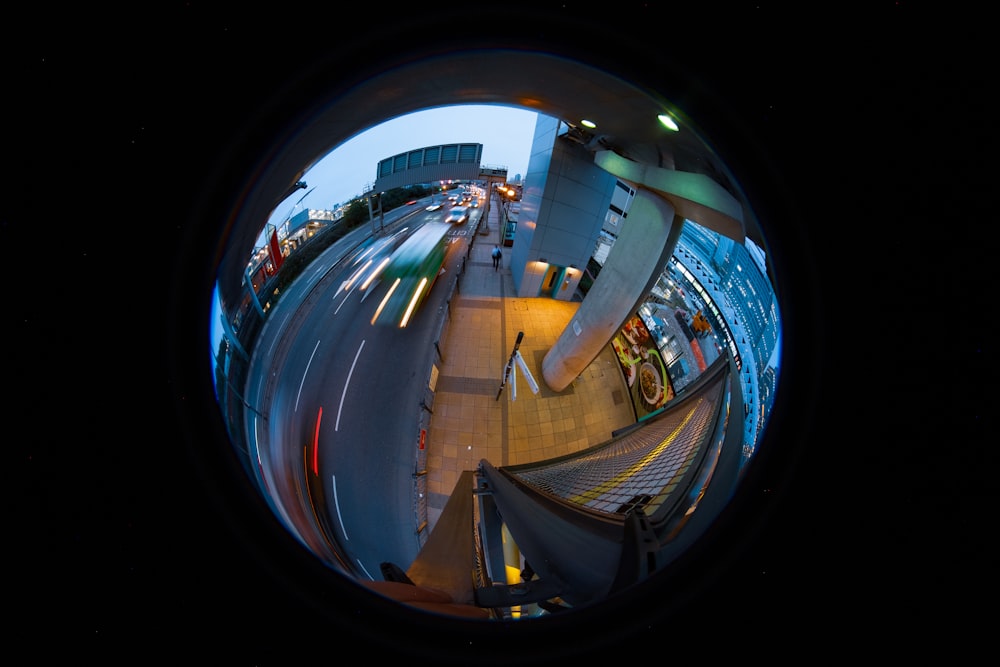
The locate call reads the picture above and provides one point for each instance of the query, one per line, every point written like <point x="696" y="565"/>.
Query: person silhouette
<point x="497" y="254"/>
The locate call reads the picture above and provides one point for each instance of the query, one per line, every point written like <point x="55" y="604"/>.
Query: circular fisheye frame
<point x="547" y="436"/>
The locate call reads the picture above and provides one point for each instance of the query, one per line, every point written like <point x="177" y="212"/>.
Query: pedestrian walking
<point x="497" y="254"/>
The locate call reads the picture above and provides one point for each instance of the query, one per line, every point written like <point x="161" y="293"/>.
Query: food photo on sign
<point x="643" y="367"/>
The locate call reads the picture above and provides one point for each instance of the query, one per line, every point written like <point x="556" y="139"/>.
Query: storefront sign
<point x="645" y="373"/>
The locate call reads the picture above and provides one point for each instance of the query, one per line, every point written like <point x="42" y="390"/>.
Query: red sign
<point x="275" y="249"/>
<point x="423" y="437"/>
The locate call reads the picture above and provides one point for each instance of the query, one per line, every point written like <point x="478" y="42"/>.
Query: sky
<point x="504" y="132"/>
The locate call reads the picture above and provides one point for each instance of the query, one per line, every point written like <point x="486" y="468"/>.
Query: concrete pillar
<point x="633" y="266"/>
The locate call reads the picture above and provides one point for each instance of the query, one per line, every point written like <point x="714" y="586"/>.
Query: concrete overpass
<point x="444" y="162"/>
<point x="435" y="163"/>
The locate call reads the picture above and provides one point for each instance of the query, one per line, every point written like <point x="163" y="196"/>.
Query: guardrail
<point x="426" y="406"/>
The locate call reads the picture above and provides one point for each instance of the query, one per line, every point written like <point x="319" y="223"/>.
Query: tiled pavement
<point x="473" y="418"/>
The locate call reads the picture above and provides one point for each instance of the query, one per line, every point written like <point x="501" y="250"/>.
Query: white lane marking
<point x="336" y="503"/>
<point x="336" y="426"/>
<point x="304" y="373"/>
<point x="367" y="292"/>
<point x="346" y="297"/>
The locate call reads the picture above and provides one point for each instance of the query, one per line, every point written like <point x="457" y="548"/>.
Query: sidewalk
<point x="470" y="422"/>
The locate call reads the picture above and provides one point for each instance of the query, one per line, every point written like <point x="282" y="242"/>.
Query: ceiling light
<point x="668" y="122"/>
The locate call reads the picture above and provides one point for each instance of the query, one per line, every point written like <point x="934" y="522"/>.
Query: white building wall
<point x="563" y="207"/>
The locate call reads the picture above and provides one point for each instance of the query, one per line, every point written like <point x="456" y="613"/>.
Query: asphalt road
<point x="340" y="480"/>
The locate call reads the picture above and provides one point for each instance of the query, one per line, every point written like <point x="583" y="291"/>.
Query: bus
<point x="411" y="272"/>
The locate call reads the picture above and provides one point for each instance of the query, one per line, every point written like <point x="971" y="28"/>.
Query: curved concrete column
<point x="632" y="268"/>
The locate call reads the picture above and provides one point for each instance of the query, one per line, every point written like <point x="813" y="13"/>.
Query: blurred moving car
<point x="457" y="215"/>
